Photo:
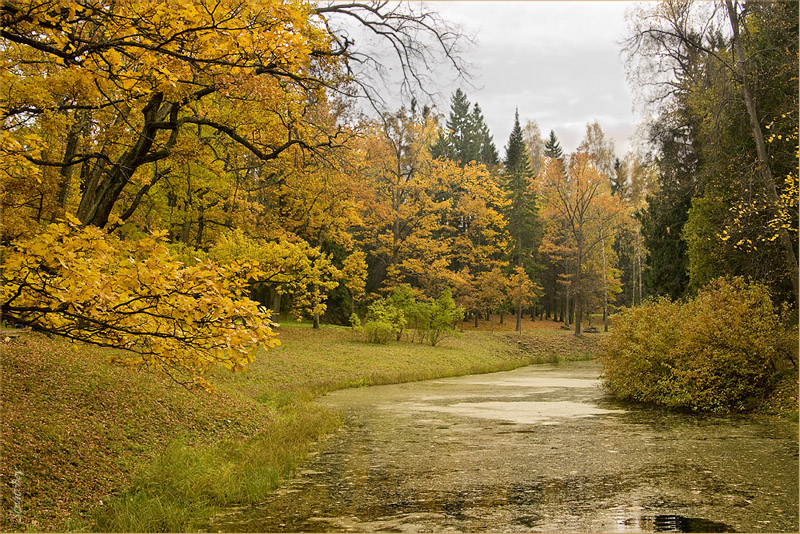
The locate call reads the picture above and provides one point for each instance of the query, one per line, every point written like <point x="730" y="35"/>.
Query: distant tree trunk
<point x="639" y="262"/>
<point x="579" y="287"/>
<point x="201" y="227"/>
<point x="276" y="306"/>
<point x="633" y="275"/>
<point x="605" y="283"/>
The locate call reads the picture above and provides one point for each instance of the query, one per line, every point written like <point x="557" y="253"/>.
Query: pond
<point x="539" y="449"/>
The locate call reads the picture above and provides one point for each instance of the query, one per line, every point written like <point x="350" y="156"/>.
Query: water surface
<point x="539" y="449"/>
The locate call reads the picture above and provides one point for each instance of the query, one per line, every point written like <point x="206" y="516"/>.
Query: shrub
<point x="443" y="315"/>
<point x="718" y="352"/>
<point x="378" y="332"/>
<point x="383" y="322"/>
<point x="387" y="318"/>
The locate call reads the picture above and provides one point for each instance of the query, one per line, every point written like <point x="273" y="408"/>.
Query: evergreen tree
<point x="441" y="147"/>
<point x="523" y="224"/>
<point x="552" y="148"/>
<point x="675" y="136"/>
<point x="466" y="137"/>
<point x="487" y="153"/>
<point x="459" y="129"/>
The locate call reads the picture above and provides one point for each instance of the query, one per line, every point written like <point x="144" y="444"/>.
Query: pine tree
<point x="618" y="179"/>
<point x="552" y="148"/>
<point x="517" y="162"/>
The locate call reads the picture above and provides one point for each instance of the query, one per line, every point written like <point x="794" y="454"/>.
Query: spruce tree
<point x="484" y="145"/>
<point x="552" y="148"/>
<point x="466" y="137"/>
<point x="523" y="224"/>
<point x="459" y="128"/>
<point x="441" y="147"/>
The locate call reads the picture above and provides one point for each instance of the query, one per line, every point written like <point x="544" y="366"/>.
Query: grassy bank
<point x="87" y="445"/>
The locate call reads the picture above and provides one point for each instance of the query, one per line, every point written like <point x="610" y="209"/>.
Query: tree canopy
<point x="179" y="177"/>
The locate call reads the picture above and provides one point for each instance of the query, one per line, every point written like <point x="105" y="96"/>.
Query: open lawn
<point x="90" y="445"/>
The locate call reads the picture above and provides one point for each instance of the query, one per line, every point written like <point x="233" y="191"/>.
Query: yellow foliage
<point x="90" y="286"/>
<point x="293" y="267"/>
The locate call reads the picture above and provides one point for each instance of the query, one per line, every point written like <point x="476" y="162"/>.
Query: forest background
<point x="162" y="162"/>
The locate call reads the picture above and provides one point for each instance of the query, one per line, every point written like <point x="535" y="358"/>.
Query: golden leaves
<point x="93" y="287"/>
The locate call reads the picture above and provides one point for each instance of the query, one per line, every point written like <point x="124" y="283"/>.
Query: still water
<point x="540" y="449"/>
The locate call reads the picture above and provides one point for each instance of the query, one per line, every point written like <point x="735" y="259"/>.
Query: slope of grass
<point x="88" y="445"/>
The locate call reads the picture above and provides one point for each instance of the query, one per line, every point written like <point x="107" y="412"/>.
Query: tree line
<point x="175" y="174"/>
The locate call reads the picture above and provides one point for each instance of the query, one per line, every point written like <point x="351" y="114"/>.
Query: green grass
<point x="159" y="458"/>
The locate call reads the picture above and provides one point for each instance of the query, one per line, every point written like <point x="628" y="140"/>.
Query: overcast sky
<point x="558" y="62"/>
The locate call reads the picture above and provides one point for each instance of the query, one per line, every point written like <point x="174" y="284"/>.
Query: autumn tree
<point x="493" y="291"/>
<point x="599" y="148"/>
<point x="100" y="92"/>
<point x="580" y="203"/>
<point x="523" y="291"/>
<point x="289" y="267"/>
<point x="431" y="222"/>
<point x="535" y="144"/>
<point x="405" y="204"/>
<point x="83" y="284"/>
<point x="215" y="125"/>
<point x="118" y="87"/>
<point x="354" y="276"/>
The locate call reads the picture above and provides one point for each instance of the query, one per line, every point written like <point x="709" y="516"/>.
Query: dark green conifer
<point x="485" y="149"/>
<point x="466" y="137"/>
<point x="523" y="223"/>
<point x="552" y="148"/>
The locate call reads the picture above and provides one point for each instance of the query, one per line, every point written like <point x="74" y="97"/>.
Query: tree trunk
<point x="579" y="288"/>
<point x="105" y="188"/>
<point x="276" y="306"/>
<point x="765" y="170"/>
<point x="201" y="226"/>
<point x="605" y="284"/>
<point x="69" y="152"/>
<point x="639" y="262"/>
